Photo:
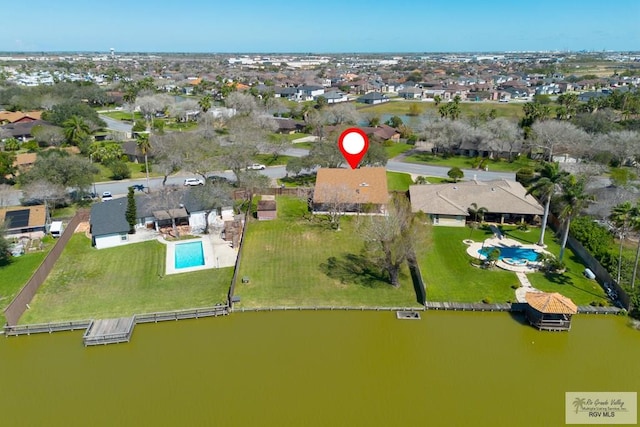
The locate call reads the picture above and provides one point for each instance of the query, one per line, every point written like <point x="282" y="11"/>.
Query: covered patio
<point x="549" y="311"/>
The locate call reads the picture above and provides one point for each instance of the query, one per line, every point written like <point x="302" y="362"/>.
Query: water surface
<point x="318" y="369"/>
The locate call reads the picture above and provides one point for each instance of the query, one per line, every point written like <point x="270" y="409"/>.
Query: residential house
<point x="22" y="130"/>
<point x="289" y="126"/>
<point x="108" y="223"/>
<point x="30" y="221"/>
<point x="383" y="132"/>
<point x="373" y="98"/>
<point x="8" y="117"/>
<point x="24" y="161"/>
<point x="410" y="93"/>
<point x="335" y="97"/>
<point x="448" y="204"/>
<point x="308" y="93"/>
<point x="352" y="191"/>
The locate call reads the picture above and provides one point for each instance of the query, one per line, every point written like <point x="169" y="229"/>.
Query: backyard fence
<point x="601" y="273"/>
<point x="20" y="303"/>
<point x="236" y="268"/>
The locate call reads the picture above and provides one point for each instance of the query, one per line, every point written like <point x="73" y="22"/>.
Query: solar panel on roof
<point x="17" y="219"/>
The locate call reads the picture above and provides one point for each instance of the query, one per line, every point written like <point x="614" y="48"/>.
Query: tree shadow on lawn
<point x="564" y="280"/>
<point x="352" y="268"/>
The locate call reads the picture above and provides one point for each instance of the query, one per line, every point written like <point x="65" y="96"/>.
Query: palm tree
<point x="205" y="103"/>
<point x="476" y="212"/>
<point x="144" y="145"/>
<point x="75" y="129"/>
<point x="622" y="217"/>
<point x="574" y="200"/>
<point x="545" y="186"/>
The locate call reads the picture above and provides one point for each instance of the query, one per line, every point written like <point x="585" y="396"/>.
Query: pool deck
<point x="217" y="254"/>
<point x="530" y="267"/>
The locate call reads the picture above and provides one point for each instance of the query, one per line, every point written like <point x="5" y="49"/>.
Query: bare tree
<point x="165" y="204"/>
<point x="212" y="196"/>
<point x="392" y="239"/>
<point x="45" y="192"/>
<point x="552" y="136"/>
<point x="341" y="114"/>
<point x="335" y="200"/>
<point x="504" y="135"/>
<point x="5" y="195"/>
<point x="48" y="135"/>
<point x="624" y="145"/>
<point x="168" y="152"/>
<point x="241" y="102"/>
<point x="181" y="110"/>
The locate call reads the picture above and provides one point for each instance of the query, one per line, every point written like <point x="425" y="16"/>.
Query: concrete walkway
<point x="525" y="286"/>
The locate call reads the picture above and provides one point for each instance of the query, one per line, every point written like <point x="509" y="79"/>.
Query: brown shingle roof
<point x="14" y="116"/>
<point x="364" y="185"/>
<point x="550" y="303"/>
<point x="37" y="215"/>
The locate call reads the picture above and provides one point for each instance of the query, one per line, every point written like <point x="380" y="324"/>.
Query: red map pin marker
<point x="353" y="143"/>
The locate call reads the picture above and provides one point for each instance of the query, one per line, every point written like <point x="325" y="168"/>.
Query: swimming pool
<point x="522" y="254"/>
<point x="189" y="255"/>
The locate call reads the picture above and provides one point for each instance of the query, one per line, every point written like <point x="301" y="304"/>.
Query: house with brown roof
<point x="8" y="117"/>
<point x="355" y="191"/>
<point x="383" y="132"/>
<point x="28" y="221"/>
<point x="24" y="161"/>
<point x="448" y="204"/>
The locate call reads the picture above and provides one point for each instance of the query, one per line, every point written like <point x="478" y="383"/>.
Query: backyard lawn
<point x="449" y="276"/>
<point x="396" y="149"/>
<point x="464" y="162"/>
<point x="89" y="283"/>
<point x="297" y="260"/>
<point x="15" y="275"/>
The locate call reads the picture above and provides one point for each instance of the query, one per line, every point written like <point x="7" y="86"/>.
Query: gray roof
<point x="109" y="217"/>
<point x="499" y="196"/>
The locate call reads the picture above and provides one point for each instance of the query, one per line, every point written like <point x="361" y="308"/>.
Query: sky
<point x="328" y="26"/>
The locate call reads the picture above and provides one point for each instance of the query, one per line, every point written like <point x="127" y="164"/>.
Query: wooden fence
<point x="20" y="303"/>
<point x="40" y="328"/>
<point x="195" y="313"/>
<point x="236" y="268"/>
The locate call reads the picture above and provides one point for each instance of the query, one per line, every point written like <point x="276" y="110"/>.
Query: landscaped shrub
<point x="594" y="237"/>
<point x="525" y="176"/>
<point x="487" y="300"/>
<point x="119" y="170"/>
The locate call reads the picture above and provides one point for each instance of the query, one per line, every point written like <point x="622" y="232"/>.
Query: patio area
<point x="523" y="266"/>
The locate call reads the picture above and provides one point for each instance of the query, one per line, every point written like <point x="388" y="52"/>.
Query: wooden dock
<point x="463" y="306"/>
<point x="109" y="331"/>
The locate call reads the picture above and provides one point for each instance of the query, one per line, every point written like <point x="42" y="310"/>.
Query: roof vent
<point x="493" y="189"/>
<point x="455" y="188"/>
<point x="364" y="184"/>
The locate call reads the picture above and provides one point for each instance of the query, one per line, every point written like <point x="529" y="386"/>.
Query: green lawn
<point x="89" y="283"/>
<point x="449" y="276"/>
<point x="572" y="283"/>
<point x="123" y="115"/>
<point x="269" y="160"/>
<point x="464" y="162"/>
<point x="297" y="260"/>
<point x="397" y="149"/>
<point x="398" y="181"/>
<point x="137" y="172"/>
<point x="15" y="275"/>
<point x="468" y="109"/>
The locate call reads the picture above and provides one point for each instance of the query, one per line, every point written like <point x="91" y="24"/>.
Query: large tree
<point x="546" y="184"/>
<point x="60" y="169"/>
<point x="552" y="136"/>
<point x="392" y="239"/>
<point x="76" y="130"/>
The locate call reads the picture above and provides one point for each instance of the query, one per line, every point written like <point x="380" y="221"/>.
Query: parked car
<point x="193" y="182"/>
<point x="106" y="195"/>
<point x="256" y="167"/>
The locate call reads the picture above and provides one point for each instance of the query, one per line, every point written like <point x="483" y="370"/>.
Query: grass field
<point x="468" y="109"/>
<point x="137" y="172"/>
<point x="398" y="181"/>
<point x="297" y="260"/>
<point x="397" y="149"/>
<point x="89" y="283"/>
<point x="15" y="275"/>
<point x="464" y="162"/>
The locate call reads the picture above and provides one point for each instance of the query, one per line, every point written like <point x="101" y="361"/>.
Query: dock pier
<point x="109" y="331"/>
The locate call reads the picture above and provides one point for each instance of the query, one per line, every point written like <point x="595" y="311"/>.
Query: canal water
<point x="318" y="369"/>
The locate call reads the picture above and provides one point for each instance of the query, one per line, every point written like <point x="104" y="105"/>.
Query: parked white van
<point x="57" y="228"/>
